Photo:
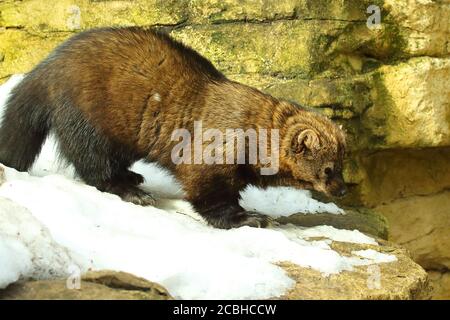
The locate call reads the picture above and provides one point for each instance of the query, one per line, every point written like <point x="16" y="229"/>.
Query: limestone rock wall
<point x="388" y="85"/>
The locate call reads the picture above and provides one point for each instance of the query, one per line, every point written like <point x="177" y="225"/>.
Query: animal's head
<point x="313" y="149"/>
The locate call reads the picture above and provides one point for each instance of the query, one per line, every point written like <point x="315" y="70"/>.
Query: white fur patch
<point x="157" y="97"/>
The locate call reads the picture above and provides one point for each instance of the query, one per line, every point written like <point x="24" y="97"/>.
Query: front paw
<point x="243" y="218"/>
<point x="138" y="196"/>
<point x="130" y="177"/>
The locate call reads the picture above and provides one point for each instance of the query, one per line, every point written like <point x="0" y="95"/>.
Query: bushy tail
<point x="24" y="127"/>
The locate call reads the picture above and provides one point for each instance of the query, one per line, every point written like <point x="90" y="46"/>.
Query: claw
<point x="252" y="219"/>
<point x="139" y="197"/>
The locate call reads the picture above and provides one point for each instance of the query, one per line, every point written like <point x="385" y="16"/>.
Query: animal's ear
<point x="307" y="140"/>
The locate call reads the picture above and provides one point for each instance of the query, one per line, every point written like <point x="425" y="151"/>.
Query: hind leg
<point x="23" y="127"/>
<point x="98" y="161"/>
<point x="107" y="175"/>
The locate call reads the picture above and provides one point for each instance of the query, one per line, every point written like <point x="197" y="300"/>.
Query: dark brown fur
<point x="113" y="96"/>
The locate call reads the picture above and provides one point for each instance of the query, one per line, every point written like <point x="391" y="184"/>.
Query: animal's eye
<point x="328" y="171"/>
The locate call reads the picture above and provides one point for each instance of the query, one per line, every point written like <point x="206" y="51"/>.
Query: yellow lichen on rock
<point x="253" y="48"/>
<point x="412" y="101"/>
<point x="426" y="24"/>
<point x="72" y="15"/>
<point x="22" y="51"/>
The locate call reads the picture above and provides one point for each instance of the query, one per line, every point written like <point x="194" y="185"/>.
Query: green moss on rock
<point x="364" y="220"/>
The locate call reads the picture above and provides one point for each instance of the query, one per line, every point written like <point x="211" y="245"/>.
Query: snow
<point x="53" y="222"/>
<point x="284" y="201"/>
<point x="6" y="88"/>
<point x="337" y="235"/>
<point x="28" y="245"/>
<point x="375" y="256"/>
<point x="15" y="260"/>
